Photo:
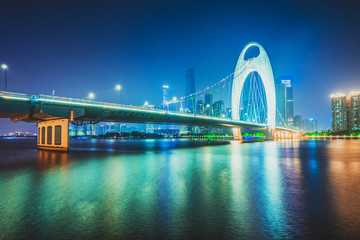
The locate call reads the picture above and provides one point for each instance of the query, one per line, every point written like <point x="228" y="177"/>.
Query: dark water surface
<point x="163" y="189"/>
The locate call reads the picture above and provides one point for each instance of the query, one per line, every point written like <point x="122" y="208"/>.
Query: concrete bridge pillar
<point x="270" y="133"/>
<point x="237" y="134"/>
<point x="53" y="135"/>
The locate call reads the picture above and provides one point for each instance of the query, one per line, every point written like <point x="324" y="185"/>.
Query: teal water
<point x="172" y="189"/>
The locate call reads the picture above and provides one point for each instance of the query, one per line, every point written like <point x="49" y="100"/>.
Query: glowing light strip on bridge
<point x="229" y="121"/>
<point x="16" y="98"/>
<point x="159" y="112"/>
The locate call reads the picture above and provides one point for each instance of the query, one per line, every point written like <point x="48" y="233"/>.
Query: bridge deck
<point x="35" y="108"/>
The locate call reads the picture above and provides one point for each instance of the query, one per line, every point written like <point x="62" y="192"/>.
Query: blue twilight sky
<point x="76" y="47"/>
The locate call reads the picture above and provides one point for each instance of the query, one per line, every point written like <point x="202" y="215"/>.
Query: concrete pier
<point x="53" y="135"/>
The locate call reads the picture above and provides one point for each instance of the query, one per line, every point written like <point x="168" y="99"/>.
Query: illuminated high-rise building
<point x="161" y="128"/>
<point x="284" y="101"/>
<point x="90" y="129"/>
<point x="339" y="113"/>
<point x="228" y="113"/>
<point x="165" y="97"/>
<point x="309" y="125"/>
<point x="218" y="108"/>
<point x="208" y="104"/>
<point x="200" y="108"/>
<point x="298" y="122"/>
<point x="354" y="111"/>
<point x="190" y="88"/>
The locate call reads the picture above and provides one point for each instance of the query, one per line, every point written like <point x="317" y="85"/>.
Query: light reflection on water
<point x="171" y="189"/>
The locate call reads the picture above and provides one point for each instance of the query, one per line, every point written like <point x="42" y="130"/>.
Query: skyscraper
<point x="218" y="108"/>
<point x="157" y="128"/>
<point x="208" y="104"/>
<point x="165" y="97"/>
<point x="298" y="122"/>
<point x="228" y="113"/>
<point x="354" y="111"/>
<point x="310" y="125"/>
<point x="339" y="113"/>
<point x="284" y="101"/>
<point x="200" y="107"/>
<point x="190" y="88"/>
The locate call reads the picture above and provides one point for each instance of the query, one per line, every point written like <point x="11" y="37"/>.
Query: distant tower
<point x="165" y="97"/>
<point x="339" y="110"/>
<point x="218" y="108"/>
<point x="354" y="111"/>
<point x="190" y="88"/>
<point x="200" y="107"/>
<point x="309" y="125"/>
<point x="298" y="122"/>
<point x="208" y="104"/>
<point x="284" y="101"/>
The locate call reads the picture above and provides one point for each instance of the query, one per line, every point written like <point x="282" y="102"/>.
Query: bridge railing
<point x="15" y="95"/>
<point x="131" y="107"/>
<point x="57" y="99"/>
<point x="50" y="98"/>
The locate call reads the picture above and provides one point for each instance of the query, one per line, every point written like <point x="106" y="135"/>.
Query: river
<point x="175" y="189"/>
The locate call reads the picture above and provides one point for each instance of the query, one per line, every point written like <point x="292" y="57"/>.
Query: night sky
<point x="75" y="48"/>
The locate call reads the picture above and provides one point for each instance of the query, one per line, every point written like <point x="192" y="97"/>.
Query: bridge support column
<point x="270" y="133"/>
<point x="237" y="134"/>
<point x="53" y="135"/>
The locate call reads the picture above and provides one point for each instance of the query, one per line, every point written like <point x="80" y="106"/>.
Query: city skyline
<point x="250" y="111"/>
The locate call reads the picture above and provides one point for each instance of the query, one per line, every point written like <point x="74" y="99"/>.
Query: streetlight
<point x="4" y="66"/>
<point x="119" y="88"/>
<point x="91" y="95"/>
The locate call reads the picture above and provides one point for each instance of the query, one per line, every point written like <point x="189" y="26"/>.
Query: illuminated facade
<point x="228" y="113"/>
<point x="345" y="112"/>
<point x="190" y="88"/>
<point x="218" y="108"/>
<point x="165" y="97"/>
<point x="298" y="122"/>
<point x="261" y="65"/>
<point x="339" y="113"/>
<point x="284" y="101"/>
<point x="208" y="104"/>
<point x="354" y="111"/>
<point x="200" y="107"/>
<point x="309" y="125"/>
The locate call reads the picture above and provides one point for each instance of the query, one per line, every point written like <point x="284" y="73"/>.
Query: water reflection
<point x="273" y="193"/>
<point x="242" y="220"/>
<point x="49" y="159"/>
<point x="344" y="180"/>
<point x="285" y="189"/>
<point x="15" y="191"/>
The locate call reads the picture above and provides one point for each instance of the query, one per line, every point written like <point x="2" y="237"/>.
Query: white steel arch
<point x="260" y="64"/>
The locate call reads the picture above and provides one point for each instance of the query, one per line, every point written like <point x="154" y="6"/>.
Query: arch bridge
<point x="53" y="114"/>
